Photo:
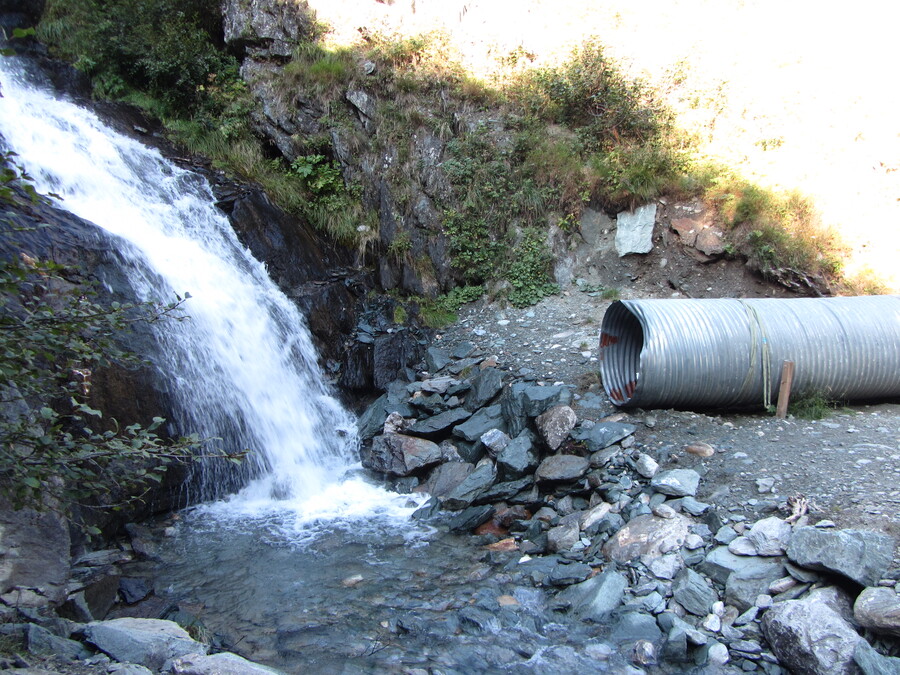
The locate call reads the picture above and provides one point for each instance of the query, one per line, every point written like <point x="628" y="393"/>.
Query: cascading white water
<point x="242" y="367"/>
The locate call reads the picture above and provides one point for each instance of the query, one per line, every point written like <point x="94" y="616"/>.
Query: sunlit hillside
<point x="796" y="94"/>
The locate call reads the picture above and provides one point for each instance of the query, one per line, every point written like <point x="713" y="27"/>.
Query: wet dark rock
<point x="602" y="435"/>
<point x="506" y="491"/>
<point x="878" y="609"/>
<point x="470" y="518"/>
<point x="495" y="441"/>
<point x="539" y="568"/>
<point x="485" y="386"/>
<point x="400" y="455"/>
<point x="810" y="638"/>
<point x="873" y="663"/>
<point x="594" y="599"/>
<point x="536" y="399"/>
<point x="564" y="535"/>
<point x="481" y="422"/>
<point x="568" y="573"/>
<point x="445" y="478"/>
<point x="440" y="423"/>
<point x="393" y="356"/>
<point x="634" y="626"/>
<point x="561" y="468"/>
<point x="555" y="424"/>
<point x="40" y="641"/>
<point x="744" y="586"/>
<point x="518" y="457"/>
<point x="693" y="592"/>
<point x="428" y="511"/>
<point x="860" y="555"/>
<point x="371" y="422"/>
<point x="436" y="358"/>
<point x="676" y="482"/>
<point x="142" y="541"/>
<point x="720" y="563"/>
<point x="472" y="487"/>
<point x="475" y="619"/>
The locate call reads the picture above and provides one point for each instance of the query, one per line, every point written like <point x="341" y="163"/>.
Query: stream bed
<point x="373" y="595"/>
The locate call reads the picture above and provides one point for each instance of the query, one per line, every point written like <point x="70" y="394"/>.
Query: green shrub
<point x="528" y="272"/>
<point x="590" y="93"/>
<point x="165" y="47"/>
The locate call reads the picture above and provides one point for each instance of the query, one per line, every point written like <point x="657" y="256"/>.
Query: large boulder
<point x="562" y="468"/>
<point x="693" y="592"/>
<point x="634" y="230"/>
<point x="400" y="455"/>
<point x="600" y="436"/>
<point x="152" y="643"/>
<point x="860" y="555"/>
<point x="878" y="609"/>
<point x="647" y="535"/>
<point x="485" y="386"/>
<point x="34" y="557"/>
<point x="224" y="663"/>
<point x="265" y="27"/>
<point x="594" y="599"/>
<point x="676" y="482"/>
<point x="555" y="424"/>
<point x="472" y="487"/>
<point x="811" y="638"/>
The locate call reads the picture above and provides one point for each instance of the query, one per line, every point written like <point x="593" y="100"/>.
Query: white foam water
<point x="242" y="368"/>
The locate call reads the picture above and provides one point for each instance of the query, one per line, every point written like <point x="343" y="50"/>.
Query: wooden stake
<point x="784" y="391"/>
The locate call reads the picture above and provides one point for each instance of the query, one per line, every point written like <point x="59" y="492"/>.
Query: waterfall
<point x="242" y="367"/>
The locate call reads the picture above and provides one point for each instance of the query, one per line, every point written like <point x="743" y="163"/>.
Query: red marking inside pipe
<point x="607" y="340"/>
<point x="629" y="388"/>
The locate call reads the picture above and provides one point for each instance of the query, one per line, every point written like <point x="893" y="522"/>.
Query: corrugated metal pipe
<point x="729" y="352"/>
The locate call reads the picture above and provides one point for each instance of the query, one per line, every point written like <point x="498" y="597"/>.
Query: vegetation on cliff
<point x="520" y="158"/>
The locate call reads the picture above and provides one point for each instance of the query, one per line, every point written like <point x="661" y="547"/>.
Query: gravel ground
<point x="847" y="465"/>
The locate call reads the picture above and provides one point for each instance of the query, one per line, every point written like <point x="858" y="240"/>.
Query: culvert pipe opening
<point x="621" y="343"/>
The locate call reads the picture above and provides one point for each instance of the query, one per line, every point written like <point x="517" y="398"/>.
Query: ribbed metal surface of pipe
<point x="729" y="352"/>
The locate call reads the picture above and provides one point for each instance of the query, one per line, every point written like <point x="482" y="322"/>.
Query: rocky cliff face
<point x="265" y="34"/>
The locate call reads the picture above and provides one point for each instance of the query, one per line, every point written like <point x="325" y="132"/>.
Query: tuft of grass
<point x="442" y="311"/>
<point x="611" y="294"/>
<point x="814" y="405"/>
<point x="324" y="71"/>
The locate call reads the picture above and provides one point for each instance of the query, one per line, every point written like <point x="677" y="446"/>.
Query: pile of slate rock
<point x="623" y="543"/>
